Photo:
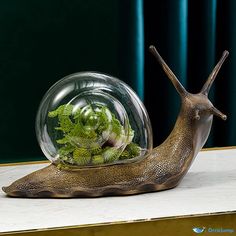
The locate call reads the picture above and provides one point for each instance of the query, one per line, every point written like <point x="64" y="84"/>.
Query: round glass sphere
<point x="91" y="119"/>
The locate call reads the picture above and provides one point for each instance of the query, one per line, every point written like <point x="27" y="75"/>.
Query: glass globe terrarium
<point x="92" y="119"/>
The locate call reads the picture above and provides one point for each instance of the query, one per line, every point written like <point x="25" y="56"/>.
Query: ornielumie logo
<point x="199" y="230"/>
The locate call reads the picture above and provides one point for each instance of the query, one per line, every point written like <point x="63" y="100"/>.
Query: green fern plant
<point x="80" y="136"/>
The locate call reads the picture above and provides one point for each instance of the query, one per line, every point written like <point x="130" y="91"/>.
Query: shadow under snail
<point x="106" y="167"/>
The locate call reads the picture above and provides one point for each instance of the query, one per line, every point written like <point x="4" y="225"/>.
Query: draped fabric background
<point x="43" y="41"/>
<point x="191" y="36"/>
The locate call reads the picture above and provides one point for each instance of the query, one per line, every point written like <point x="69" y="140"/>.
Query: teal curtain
<point x="191" y="36"/>
<point x="43" y="41"/>
<point x="226" y="88"/>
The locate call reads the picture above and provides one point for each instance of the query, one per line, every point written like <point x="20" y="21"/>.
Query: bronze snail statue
<point x="97" y="134"/>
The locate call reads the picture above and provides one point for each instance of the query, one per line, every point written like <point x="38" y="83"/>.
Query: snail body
<point x="160" y="169"/>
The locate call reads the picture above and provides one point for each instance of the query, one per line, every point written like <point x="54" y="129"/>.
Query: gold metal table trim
<point x="176" y="226"/>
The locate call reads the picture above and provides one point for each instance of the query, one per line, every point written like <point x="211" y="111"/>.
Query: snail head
<point x="199" y="103"/>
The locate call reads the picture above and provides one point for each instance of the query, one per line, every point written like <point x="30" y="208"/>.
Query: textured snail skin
<point x="162" y="169"/>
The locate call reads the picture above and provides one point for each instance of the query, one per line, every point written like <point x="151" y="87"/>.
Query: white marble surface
<point x="209" y="187"/>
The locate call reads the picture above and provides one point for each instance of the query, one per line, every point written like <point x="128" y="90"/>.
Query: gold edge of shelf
<point x="141" y="226"/>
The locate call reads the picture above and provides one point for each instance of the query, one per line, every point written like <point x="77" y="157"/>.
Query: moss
<point x="97" y="160"/>
<point x="81" y="156"/>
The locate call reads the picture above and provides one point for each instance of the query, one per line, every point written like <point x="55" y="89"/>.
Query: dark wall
<point x="43" y="41"/>
<point x="191" y="36"/>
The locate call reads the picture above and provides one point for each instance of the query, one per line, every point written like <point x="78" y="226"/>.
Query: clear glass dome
<point x="90" y="119"/>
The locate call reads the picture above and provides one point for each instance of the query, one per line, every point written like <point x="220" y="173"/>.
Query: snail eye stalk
<point x="207" y="86"/>
<point x="178" y="86"/>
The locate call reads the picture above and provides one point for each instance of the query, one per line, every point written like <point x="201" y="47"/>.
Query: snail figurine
<point x="97" y="134"/>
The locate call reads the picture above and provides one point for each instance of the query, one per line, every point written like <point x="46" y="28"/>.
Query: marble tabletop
<point x="208" y="188"/>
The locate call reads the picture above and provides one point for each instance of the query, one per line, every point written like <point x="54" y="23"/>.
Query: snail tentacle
<point x="218" y="113"/>
<point x="207" y="86"/>
<point x="179" y="87"/>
